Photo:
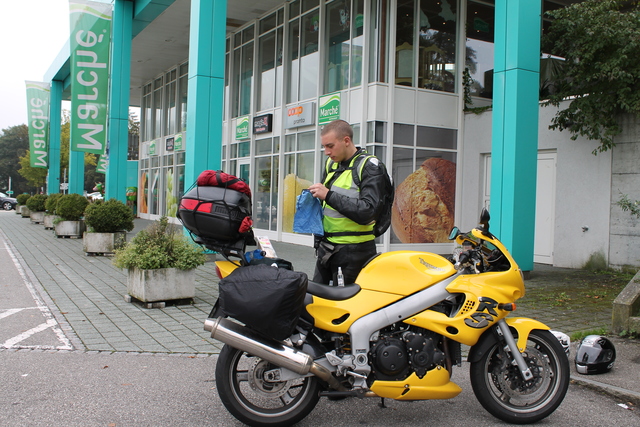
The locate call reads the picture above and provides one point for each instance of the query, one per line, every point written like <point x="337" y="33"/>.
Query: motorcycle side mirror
<point x="454" y="233"/>
<point x="484" y="219"/>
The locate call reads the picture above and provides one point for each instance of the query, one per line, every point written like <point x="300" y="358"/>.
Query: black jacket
<point x="368" y="205"/>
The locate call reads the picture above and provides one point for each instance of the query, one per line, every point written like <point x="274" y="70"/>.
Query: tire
<point x="259" y="403"/>
<point x="7" y="206"/>
<point x="499" y="387"/>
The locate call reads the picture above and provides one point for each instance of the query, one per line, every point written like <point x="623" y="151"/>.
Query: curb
<point x="627" y="396"/>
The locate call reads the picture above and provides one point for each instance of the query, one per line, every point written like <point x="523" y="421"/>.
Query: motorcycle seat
<point x="334" y="293"/>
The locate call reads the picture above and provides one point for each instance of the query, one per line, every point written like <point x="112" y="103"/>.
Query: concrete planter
<point x="48" y="221"/>
<point x="25" y="212"/>
<point x="160" y="285"/>
<point x="103" y="243"/>
<point x="37" y="217"/>
<point x="18" y="209"/>
<point x="72" y="229"/>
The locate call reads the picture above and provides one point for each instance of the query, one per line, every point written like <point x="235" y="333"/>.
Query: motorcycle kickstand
<point x="381" y="404"/>
<point x="511" y="343"/>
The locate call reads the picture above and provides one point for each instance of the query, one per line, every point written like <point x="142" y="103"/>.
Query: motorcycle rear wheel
<point x="245" y="394"/>
<point x="499" y="387"/>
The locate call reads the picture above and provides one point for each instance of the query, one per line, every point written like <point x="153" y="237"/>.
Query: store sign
<point x="329" y="108"/>
<point x="90" y="42"/>
<point x="262" y="124"/>
<point x="177" y="143"/>
<point x="153" y="147"/>
<point x="169" y="143"/>
<point x="301" y="115"/>
<point x="242" y="128"/>
<point x="38" y="113"/>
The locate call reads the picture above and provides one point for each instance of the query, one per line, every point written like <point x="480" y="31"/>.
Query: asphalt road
<point x="73" y="388"/>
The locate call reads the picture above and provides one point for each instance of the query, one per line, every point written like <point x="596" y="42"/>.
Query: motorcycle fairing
<point x="434" y="385"/>
<point x="386" y="279"/>
<point x="523" y="327"/>
<point x="482" y="296"/>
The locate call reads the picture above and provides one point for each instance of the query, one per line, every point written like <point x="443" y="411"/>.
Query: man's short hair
<point x="340" y="127"/>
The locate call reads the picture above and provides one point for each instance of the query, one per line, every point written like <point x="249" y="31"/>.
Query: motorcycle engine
<point x="396" y="355"/>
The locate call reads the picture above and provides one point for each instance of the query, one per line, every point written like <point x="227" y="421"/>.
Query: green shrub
<point x="22" y="198"/>
<point x="37" y="202"/>
<point x="52" y="203"/>
<point x="159" y="246"/>
<point x="108" y="217"/>
<point x="71" y="207"/>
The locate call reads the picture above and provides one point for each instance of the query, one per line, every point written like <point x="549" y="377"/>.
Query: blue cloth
<point x="308" y="217"/>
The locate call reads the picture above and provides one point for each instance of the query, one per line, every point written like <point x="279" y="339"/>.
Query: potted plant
<point x="70" y="209"/>
<point x="22" y="209"/>
<point x="161" y="264"/>
<point x="36" y="205"/>
<point x="107" y="225"/>
<point x="50" y="210"/>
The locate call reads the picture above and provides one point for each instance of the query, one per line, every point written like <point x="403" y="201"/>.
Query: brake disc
<point x="510" y="380"/>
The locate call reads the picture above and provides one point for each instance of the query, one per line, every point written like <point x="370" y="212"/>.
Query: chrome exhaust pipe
<point x="245" y="339"/>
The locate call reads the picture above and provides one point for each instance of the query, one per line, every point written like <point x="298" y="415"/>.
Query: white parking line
<point x="12" y="311"/>
<point x="44" y="309"/>
<point x="23" y="336"/>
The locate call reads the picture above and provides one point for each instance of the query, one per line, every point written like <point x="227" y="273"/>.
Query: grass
<point x="578" y="336"/>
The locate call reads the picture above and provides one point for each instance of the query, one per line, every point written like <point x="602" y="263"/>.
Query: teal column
<point x="76" y="171"/>
<point x="55" y="110"/>
<point x="118" y="119"/>
<point x="515" y="126"/>
<point x="205" y="95"/>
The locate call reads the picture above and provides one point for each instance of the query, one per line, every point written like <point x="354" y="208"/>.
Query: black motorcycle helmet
<point x="595" y="355"/>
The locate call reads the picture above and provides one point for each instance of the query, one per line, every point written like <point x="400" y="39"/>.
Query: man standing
<point x="350" y="208"/>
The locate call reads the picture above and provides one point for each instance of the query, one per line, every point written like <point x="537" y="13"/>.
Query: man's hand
<point x="319" y="191"/>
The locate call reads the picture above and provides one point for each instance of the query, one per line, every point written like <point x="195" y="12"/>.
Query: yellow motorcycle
<point x="396" y="333"/>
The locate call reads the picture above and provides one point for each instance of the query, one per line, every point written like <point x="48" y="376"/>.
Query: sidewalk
<point x="86" y="296"/>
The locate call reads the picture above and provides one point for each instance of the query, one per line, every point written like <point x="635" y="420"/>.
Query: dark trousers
<point x="351" y="258"/>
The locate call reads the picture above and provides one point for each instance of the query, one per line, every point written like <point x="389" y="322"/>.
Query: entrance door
<point x="545" y="208"/>
<point x="243" y="169"/>
<point x="545" y="204"/>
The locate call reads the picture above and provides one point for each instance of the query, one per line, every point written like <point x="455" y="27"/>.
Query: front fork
<point x="515" y="352"/>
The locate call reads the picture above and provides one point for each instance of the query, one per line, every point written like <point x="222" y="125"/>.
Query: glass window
<point x="268" y="23"/>
<point x="147" y="116"/>
<point x="170" y="109"/>
<point x="378" y="63"/>
<point x="310" y="58"/>
<point x="338" y="45"/>
<point x="267" y="80"/>
<point x="294" y="49"/>
<point x="437" y="60"/>
<point x="403" y="134"/>
<point x="357" y="42"/>
<point x="182" y="102"/>
<point x="246" y="79"/>
<point x="157" y="108"/>
<point x="479" y="52"/>
<point x="436" y="137"/>
<point x="405" y="41"/>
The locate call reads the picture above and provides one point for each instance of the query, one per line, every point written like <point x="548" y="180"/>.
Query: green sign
<point x="10" y="192"/>
<point x="177" y="143"/>
<point x="329" y="108"/>
<point x="153" y="150"/>
<point x="242" y="128"/>
<point x="90" y="41"/>
<point x="38" y="95"/>
<point x="103" y="164"/>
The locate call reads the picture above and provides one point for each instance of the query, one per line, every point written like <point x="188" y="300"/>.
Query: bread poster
<point x="423" y="208"/>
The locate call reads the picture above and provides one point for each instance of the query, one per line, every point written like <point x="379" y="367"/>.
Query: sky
<point x="32" y="33"/>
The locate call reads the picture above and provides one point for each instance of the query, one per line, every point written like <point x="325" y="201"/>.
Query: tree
<point x="36" y="177"/>
<point x="14" y="141"/>
<point x="600" y="41"/>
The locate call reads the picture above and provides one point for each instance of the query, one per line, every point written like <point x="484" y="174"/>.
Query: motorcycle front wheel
<point x="256" y="402"/>
<point x="500" y="388"/>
